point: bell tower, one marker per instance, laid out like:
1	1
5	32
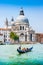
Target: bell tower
6	23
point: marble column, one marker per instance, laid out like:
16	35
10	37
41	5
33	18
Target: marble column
28	37
33	37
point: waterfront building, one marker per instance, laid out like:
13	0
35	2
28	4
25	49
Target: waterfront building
21	27
39	37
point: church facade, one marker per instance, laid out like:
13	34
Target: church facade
21	27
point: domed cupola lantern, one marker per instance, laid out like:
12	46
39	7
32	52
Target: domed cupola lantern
21	11
12	19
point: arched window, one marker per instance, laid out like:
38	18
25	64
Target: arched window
20	27
23	27
21	34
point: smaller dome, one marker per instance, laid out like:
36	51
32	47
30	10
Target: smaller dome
12	19
12	23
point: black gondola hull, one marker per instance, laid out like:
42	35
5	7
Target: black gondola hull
24	51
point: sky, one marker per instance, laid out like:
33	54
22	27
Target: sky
33	10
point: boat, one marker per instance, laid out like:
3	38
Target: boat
24	51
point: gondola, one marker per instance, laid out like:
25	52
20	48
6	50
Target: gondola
24	51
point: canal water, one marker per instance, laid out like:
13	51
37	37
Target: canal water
10	56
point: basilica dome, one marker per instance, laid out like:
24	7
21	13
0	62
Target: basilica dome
21	18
